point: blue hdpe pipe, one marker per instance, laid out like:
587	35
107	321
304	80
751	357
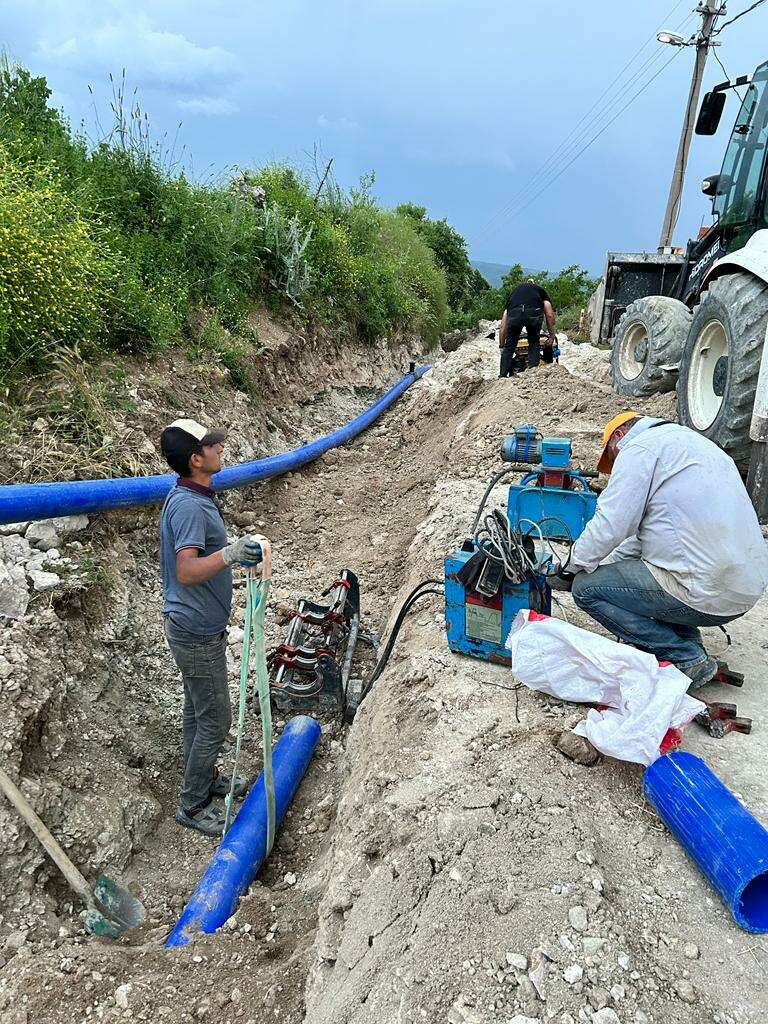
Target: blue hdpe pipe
23	502
727	842
244	847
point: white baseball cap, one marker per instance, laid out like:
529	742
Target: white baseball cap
201	434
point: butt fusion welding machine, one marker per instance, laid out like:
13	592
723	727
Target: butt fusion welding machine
500	568
312	668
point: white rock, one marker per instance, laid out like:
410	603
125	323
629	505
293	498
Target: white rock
691	951
585	857
573	974
592	945
8	528
606	1016
518	961
14	594
623	960
42	580
42	535
578	918
289	878
685	990
122	994
15	549
46	533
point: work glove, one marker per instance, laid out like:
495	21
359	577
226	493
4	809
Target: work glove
246	552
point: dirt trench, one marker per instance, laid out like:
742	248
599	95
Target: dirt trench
439	849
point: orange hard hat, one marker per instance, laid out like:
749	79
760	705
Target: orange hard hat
617	421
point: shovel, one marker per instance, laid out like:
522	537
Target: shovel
110	909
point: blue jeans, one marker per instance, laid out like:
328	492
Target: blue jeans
625	598
202	661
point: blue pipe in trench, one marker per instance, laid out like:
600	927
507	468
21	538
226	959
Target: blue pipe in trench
727	842
244	847
23	502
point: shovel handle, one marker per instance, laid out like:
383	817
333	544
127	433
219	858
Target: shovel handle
76	881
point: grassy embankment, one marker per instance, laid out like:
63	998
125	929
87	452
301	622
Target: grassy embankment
109	249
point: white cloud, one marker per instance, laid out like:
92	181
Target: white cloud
151	56
339	124
209	106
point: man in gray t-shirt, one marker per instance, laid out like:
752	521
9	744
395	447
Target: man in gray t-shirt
197	586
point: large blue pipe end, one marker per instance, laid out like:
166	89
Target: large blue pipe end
244	847
727	842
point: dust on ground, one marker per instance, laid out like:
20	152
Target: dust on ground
442	861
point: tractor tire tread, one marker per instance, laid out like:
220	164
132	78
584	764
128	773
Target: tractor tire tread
745	297
667	321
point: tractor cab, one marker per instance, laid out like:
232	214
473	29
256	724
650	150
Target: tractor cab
739	190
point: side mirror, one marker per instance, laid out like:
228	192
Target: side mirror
709	185
710	113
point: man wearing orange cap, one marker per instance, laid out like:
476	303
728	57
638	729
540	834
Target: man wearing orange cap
674	543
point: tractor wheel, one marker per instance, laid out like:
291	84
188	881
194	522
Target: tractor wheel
648	344
721	362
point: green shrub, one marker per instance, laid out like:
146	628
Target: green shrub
113	244
54	266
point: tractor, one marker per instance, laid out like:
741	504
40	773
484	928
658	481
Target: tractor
695	319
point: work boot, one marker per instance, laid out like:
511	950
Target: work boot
701	672
223	783
209	819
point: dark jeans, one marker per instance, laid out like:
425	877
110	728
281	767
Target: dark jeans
625	597
207	714
518	317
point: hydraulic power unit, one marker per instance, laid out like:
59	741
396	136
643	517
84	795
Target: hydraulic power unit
555	495
479	624
501	569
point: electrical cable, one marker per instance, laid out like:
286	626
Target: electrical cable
494	480
416	594
736	18
725	72
577	132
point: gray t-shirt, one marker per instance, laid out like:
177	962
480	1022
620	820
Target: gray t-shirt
192	520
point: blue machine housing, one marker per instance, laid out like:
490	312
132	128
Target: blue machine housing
479	626
560	513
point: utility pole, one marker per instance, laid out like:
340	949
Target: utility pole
709	11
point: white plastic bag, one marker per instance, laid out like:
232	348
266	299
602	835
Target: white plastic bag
643	698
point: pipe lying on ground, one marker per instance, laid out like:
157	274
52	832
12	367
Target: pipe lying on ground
726	841
244	847
23	502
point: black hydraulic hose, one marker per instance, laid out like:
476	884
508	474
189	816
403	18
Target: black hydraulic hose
494	480
424	588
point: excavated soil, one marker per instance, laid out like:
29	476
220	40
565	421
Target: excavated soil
441	862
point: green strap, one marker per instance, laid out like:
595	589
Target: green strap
255	607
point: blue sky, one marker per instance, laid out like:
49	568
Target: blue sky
455	106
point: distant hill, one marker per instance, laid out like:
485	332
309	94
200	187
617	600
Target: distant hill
493	272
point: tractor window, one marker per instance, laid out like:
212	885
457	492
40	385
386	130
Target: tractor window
744	157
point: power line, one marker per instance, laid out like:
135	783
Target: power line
725	72
739	15
597	135
568	146
574	137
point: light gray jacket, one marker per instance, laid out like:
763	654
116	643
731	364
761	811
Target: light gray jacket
676	500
